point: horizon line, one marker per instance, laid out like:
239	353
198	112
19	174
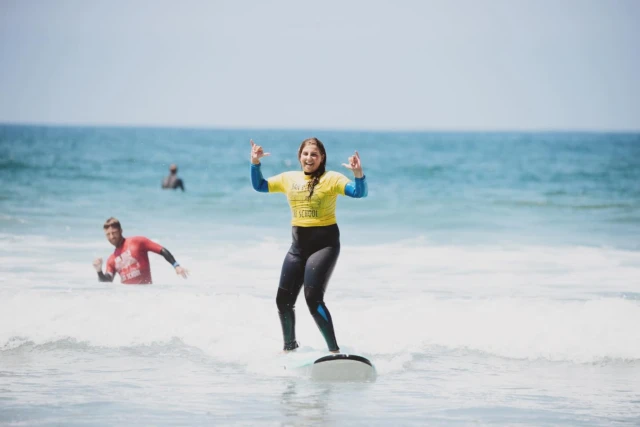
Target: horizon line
319	128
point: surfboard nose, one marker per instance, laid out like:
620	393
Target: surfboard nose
343	367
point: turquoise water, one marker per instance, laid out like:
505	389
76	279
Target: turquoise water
568	187
493	278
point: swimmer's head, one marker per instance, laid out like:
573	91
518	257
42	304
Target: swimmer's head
312	156
173	168
113	231
112	222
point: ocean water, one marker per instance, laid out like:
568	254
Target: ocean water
492	278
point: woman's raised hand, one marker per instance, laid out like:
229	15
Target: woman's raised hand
256	153
355	165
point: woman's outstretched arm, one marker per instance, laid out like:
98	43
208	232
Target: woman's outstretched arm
359	189
257	180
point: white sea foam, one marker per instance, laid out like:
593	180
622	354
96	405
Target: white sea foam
234	328
558	303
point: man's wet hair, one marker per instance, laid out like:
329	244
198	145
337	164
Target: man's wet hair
112	222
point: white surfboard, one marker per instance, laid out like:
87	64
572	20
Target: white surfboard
343	367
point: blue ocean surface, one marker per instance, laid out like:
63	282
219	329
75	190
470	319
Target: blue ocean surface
492	278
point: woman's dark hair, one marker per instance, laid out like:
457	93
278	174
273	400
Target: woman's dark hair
315	176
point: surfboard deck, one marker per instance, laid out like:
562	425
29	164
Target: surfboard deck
343	367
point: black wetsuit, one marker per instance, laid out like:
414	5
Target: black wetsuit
172	182
310	261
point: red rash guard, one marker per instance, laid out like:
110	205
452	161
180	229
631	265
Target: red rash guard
131	261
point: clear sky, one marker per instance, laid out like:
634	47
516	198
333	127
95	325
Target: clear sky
341	64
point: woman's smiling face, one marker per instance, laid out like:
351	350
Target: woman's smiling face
310	158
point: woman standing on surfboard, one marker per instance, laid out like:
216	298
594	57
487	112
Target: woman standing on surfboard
315	248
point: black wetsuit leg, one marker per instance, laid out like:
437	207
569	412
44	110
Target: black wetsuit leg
311	259
291	279
317	273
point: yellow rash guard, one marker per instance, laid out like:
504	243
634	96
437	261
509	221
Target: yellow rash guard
321	209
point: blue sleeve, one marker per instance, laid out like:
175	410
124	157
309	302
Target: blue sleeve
357	190
257	180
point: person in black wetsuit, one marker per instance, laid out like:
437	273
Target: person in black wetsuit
172	181
315	247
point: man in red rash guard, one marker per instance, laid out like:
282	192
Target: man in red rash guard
130	259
